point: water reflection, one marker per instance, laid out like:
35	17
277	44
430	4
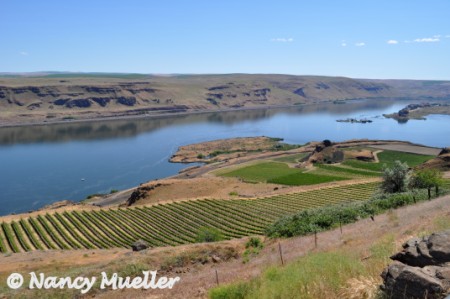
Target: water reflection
99	130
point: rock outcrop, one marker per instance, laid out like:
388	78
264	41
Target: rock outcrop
325	153
441	162
421	269
140	193
139	245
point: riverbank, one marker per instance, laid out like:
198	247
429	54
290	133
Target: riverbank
16	121
11	121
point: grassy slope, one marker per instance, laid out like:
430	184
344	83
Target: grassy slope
291	158
336	273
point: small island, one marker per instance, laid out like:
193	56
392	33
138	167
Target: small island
419	111
354	120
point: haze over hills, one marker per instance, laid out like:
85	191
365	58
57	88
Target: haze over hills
53	96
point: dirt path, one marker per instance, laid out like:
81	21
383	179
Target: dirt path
113	199
409	148
375	156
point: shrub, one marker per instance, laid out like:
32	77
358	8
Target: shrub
327	143
253	247
209	234
395	178
254	242
324	218
426	178
234	291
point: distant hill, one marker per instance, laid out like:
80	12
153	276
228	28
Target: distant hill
49	96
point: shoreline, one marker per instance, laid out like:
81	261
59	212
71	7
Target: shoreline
141	116
103	118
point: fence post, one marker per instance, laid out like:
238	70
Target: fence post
315	238
281	253
217	277
340	223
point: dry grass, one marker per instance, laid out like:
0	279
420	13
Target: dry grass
360	288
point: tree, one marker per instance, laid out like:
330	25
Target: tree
327	143
426	179
395	178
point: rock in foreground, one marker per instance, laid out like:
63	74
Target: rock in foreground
421	269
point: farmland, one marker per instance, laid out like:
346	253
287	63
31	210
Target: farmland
280	173
388	158
165	224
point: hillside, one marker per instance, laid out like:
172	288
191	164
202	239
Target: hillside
54	97
62	97
196	264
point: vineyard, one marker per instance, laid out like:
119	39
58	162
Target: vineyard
165	224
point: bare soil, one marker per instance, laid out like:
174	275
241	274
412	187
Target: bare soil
228	148
211	187
409	148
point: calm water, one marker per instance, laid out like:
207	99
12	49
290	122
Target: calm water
43	164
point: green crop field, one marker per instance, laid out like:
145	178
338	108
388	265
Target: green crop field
388	158
165	224
305	178
279	173
291	158
344	170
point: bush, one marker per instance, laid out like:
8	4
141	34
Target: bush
234	291
395	178
254	242
324	218
253	247
327	143
426	178
209	234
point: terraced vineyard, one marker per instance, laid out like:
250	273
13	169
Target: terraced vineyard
165	224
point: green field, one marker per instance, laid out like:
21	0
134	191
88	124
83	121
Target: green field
291	158
346	171
166	224
280	173
388	158
305	178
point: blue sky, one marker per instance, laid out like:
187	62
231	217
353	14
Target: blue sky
360	39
